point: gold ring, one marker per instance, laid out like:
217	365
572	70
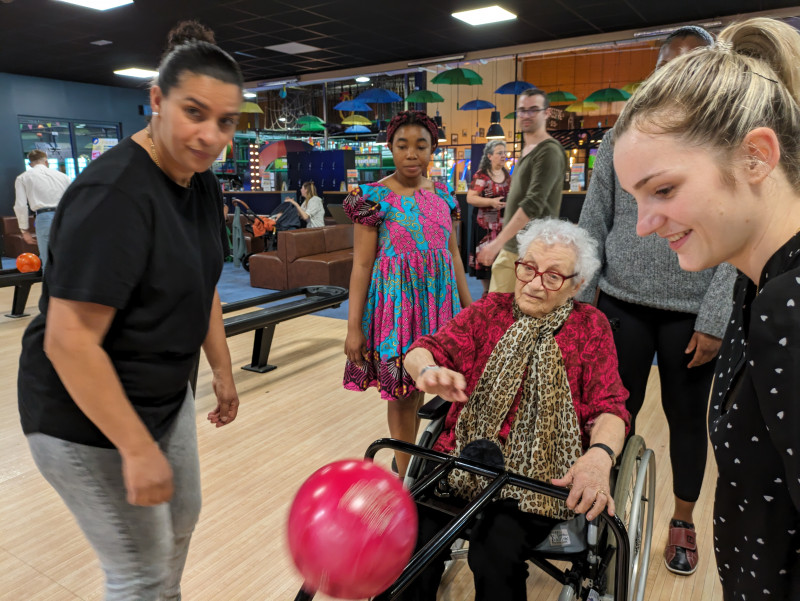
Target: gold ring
600	492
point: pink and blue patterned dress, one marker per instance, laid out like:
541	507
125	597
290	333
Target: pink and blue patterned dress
413	289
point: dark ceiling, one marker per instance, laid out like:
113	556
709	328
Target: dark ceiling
48	38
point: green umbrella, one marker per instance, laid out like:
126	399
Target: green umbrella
309	119
560	96
511	115
424	96
466	77
608	95
312	127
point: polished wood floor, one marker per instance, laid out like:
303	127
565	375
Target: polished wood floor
292	421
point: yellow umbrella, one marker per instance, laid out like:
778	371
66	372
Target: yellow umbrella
356	120
582	107
250	107
632	87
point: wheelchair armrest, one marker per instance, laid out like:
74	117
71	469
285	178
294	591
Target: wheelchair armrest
434	409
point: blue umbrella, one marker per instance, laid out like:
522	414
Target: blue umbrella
476	105
514	87
353	105
357	129
378	96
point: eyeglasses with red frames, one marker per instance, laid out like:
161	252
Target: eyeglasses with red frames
551	280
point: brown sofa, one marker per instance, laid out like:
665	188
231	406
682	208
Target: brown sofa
13	244
306	257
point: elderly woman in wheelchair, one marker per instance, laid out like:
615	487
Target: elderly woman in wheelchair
534	373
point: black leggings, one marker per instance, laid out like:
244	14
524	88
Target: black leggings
500	542
641	333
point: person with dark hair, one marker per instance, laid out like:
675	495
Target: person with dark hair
709	146
407	279
535	190
488	192
663	311
39	189
127	302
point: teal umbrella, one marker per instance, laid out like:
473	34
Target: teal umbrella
424	96
309	119
608	95
560	96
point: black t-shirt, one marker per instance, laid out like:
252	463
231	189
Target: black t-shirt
128	237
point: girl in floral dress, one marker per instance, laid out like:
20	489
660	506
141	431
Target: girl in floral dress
408	279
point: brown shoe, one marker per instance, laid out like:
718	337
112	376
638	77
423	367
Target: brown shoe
680	554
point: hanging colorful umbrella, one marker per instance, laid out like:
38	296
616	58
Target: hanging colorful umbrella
356	120
608	95
309	119
511	115
459	76
378	96
582	107
514	87
424	96
250	107
357	129
353	105
630	88
477	105
561	97
312	127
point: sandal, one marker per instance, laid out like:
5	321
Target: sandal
680	554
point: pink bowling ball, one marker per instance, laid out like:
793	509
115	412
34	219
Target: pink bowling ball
352	529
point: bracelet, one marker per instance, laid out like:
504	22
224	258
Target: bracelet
427	368
607	449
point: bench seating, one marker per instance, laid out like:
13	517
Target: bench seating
306	257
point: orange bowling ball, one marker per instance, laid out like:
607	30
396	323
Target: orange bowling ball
28	263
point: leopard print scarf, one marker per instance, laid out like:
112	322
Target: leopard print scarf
544	440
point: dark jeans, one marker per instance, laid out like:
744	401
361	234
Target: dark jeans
644	332
500	542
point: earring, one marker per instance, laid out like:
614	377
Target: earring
154	113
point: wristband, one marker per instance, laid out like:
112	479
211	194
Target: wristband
427	368
607	449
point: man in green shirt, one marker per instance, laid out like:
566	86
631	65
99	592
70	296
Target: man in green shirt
535	188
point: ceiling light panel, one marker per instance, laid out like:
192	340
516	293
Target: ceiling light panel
135	72
293	48
484	16
98	4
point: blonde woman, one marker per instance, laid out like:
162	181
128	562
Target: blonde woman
710	148
311	211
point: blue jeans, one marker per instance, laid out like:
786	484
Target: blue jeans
42	224
142	550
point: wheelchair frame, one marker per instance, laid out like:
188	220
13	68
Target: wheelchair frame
498	479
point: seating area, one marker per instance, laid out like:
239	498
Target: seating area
306	257
13	244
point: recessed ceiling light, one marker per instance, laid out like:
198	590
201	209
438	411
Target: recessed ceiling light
362	79
101	42
134	72
484	16
282	119
293	48
99	4
249	94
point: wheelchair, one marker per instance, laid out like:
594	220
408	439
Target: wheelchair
608	557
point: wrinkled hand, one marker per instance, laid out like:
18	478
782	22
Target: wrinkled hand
147	476
355	347
28	237
488	254
227	401
447	383
588	480
705	348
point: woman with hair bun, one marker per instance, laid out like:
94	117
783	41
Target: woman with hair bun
710	148
127	302
407	279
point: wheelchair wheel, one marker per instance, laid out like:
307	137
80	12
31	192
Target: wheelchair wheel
634	497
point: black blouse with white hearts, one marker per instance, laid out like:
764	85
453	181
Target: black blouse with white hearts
754	425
